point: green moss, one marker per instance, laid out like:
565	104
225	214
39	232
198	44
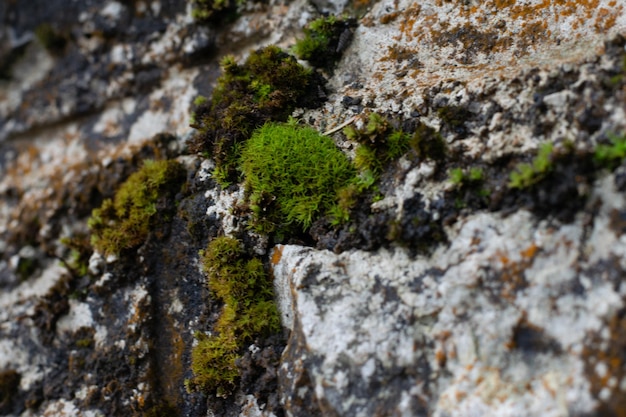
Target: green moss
26	267
379	144
249	312
267	87
526	175
293	175
215	11
163	409
375	132
453	116
464	178
469	187
85	343
324	40
366	159
427	143
125	221
613	154
80	252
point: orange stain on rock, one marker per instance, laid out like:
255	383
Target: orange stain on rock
277	254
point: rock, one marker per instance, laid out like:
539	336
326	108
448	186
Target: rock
483	326
437	295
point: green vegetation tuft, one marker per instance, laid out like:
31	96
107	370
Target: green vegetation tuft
80	252
379	144
366	159
267	87
427	143
324	40
469	187
249	311
461	178
215	11
611	155
453	116
125	221
293	175
526	175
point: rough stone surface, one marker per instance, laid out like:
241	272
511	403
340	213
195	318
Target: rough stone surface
432	300
494	324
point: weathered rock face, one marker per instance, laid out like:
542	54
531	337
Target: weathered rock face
436	297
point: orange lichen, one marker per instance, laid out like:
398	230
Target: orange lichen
460	395
504	4
409	17
441	358
277	254
604	20
513	273
399	53
526	25
530	252
389	17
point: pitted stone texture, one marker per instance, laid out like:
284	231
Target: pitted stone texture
515	316
494	324
525	71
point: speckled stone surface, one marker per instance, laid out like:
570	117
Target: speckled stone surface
430	301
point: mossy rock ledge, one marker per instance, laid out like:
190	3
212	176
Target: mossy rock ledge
313	208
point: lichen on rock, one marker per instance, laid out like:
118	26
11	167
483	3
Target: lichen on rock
466	257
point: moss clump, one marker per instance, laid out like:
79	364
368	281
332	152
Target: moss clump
125	221
379	144
293	175
80	252
462	178
427	143
453	116
249	312
215	11
469	189
267	87
26	267
526	175
324	41
613	154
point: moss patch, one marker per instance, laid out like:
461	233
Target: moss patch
249	311
324	41
125	221
427	143
613	154
469	189
379	144
267	87
293	175
526	175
